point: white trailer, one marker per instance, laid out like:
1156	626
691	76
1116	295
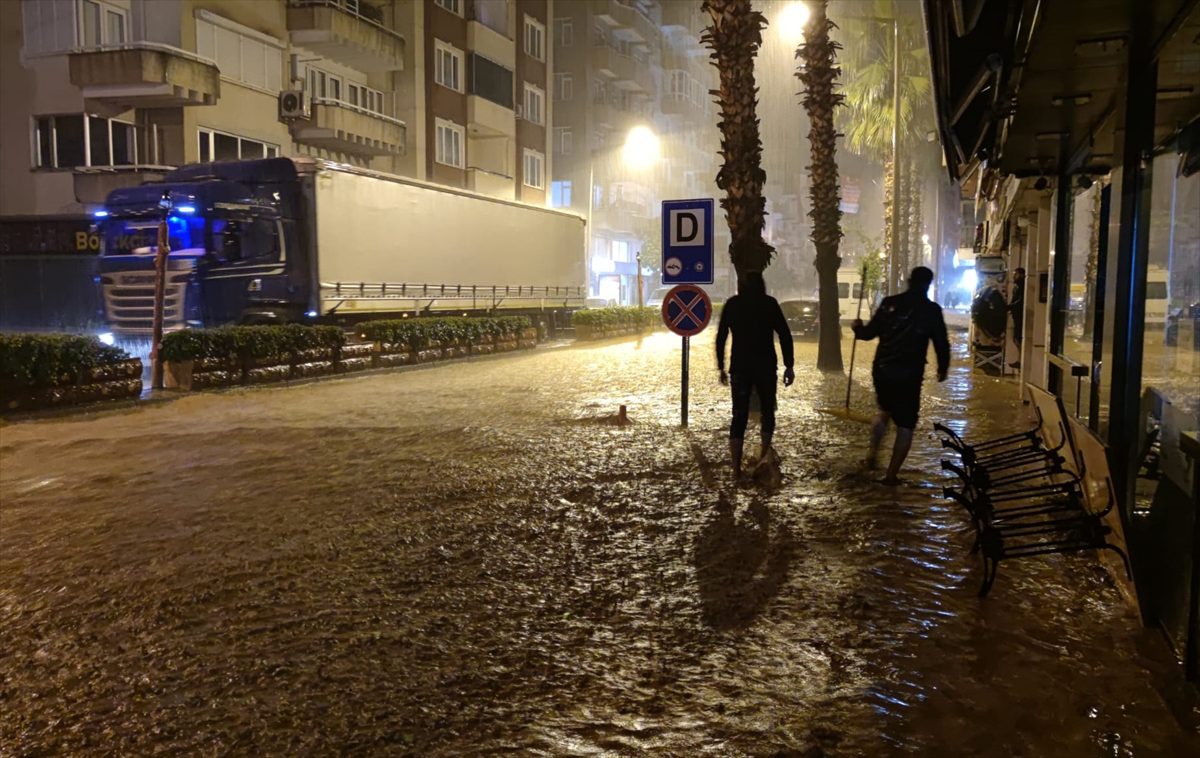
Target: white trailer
386	243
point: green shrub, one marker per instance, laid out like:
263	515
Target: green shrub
416	333
50	360
617	317
243	342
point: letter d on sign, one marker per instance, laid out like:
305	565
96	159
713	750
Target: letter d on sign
686	227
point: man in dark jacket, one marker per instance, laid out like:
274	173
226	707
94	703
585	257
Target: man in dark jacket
905	324
754	318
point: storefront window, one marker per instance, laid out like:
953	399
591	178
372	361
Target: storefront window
1081	299
1171	361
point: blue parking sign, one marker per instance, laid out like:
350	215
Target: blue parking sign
687	241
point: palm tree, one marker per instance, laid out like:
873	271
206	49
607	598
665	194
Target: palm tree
818	73
734	37
869	115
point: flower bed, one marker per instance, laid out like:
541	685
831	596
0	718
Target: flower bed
48	370
602	323
205	358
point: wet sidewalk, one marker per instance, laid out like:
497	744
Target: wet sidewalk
469	559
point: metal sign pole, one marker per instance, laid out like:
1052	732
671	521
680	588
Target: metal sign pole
683	407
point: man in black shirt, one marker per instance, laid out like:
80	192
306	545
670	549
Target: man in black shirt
754	318
904	324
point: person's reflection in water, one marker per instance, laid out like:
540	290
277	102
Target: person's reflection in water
739	567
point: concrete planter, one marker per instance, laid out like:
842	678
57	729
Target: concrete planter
118	381
177	375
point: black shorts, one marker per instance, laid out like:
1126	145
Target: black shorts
898	393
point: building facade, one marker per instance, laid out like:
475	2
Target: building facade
621	65
115	92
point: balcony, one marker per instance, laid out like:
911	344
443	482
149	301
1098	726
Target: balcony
144	75
491	183
626	71
486	118
341	32
335	125
678	104
631	16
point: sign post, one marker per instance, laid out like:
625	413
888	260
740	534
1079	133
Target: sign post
687	260
686	311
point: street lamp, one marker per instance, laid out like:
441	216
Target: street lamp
640	151
791	22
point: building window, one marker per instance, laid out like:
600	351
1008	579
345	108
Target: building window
242	54
535	39
78	141
449	143
560	194
491	81
447	65
565	33
454	6
564	87
564	139
221	146
534	164
102	23
535	104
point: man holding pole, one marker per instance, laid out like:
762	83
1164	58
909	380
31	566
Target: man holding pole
905	324
755	318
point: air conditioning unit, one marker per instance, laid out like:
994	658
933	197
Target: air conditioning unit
293	104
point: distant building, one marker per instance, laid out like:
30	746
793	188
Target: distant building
621	64
115	92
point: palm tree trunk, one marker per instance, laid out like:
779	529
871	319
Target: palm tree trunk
1090	267
734	37
889	198
818	73
916	222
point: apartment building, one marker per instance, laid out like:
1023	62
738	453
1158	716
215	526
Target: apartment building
619	65
115	92
487	110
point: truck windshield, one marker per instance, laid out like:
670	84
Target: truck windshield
139	236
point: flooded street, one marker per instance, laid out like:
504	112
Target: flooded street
470	559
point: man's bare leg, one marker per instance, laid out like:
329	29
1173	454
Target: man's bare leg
878	429
899	453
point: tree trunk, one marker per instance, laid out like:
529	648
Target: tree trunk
916	222
889	252
818	73
734	37
1093	259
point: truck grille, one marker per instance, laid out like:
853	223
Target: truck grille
129	301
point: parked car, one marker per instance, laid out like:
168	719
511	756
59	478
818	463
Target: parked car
803	317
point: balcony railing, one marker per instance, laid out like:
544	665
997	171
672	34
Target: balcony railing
340	126
344	31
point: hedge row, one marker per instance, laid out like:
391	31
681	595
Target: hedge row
249	341
617	318
52	360
417	333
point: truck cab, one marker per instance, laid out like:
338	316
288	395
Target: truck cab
233	251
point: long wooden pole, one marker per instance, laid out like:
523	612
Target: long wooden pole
160	291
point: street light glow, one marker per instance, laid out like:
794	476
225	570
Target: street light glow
791	22
641	148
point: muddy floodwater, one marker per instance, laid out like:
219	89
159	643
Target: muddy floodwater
469	559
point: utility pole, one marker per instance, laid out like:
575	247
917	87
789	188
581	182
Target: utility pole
893	268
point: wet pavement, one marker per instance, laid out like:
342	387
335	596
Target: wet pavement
470	559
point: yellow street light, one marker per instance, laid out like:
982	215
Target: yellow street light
791	22
641	148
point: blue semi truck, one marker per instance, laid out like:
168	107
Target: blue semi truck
303	240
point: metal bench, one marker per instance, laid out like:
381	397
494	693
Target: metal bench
1053	494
